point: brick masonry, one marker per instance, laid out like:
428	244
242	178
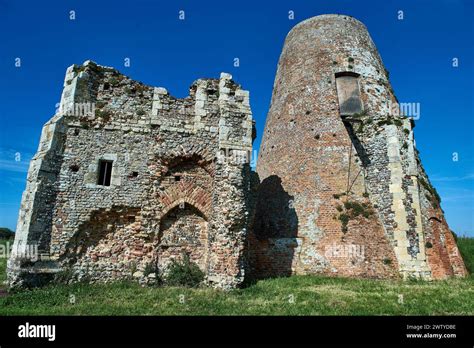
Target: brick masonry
312	161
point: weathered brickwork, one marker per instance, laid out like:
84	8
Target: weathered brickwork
326	146
144	178
178	184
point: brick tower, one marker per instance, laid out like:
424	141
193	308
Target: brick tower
342	190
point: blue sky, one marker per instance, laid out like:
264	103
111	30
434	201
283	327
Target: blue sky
165	51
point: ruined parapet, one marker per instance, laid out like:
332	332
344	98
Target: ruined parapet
338	169
128	178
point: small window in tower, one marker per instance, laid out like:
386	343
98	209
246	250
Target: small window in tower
105	172
177	178
348	93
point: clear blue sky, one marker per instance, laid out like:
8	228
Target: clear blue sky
165	51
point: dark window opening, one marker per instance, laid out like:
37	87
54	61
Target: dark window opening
106	86
134	174
105	172
177	178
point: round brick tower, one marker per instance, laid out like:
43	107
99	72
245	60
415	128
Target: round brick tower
338	187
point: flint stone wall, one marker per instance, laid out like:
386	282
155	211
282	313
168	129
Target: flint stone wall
179	182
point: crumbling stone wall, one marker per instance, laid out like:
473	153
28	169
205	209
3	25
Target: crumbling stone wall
179	181
338	169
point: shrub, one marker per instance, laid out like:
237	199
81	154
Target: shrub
152	268
356	207
344	218
105	115
351	210
387	261
100	104
78	68
466	248
184	273
113	81
6	233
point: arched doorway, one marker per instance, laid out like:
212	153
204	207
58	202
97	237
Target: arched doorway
183	229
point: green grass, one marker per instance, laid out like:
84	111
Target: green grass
298	295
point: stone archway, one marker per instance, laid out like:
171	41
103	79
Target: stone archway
183	229
182	210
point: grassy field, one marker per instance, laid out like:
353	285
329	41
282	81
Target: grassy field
298	295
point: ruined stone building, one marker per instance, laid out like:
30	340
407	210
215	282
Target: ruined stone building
144	177
141	180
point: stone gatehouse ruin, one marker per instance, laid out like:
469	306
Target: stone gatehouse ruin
127	176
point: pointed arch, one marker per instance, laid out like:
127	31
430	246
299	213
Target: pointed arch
183	201
186	192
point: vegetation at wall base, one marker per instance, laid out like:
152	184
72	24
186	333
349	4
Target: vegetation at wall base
184	273
297	295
